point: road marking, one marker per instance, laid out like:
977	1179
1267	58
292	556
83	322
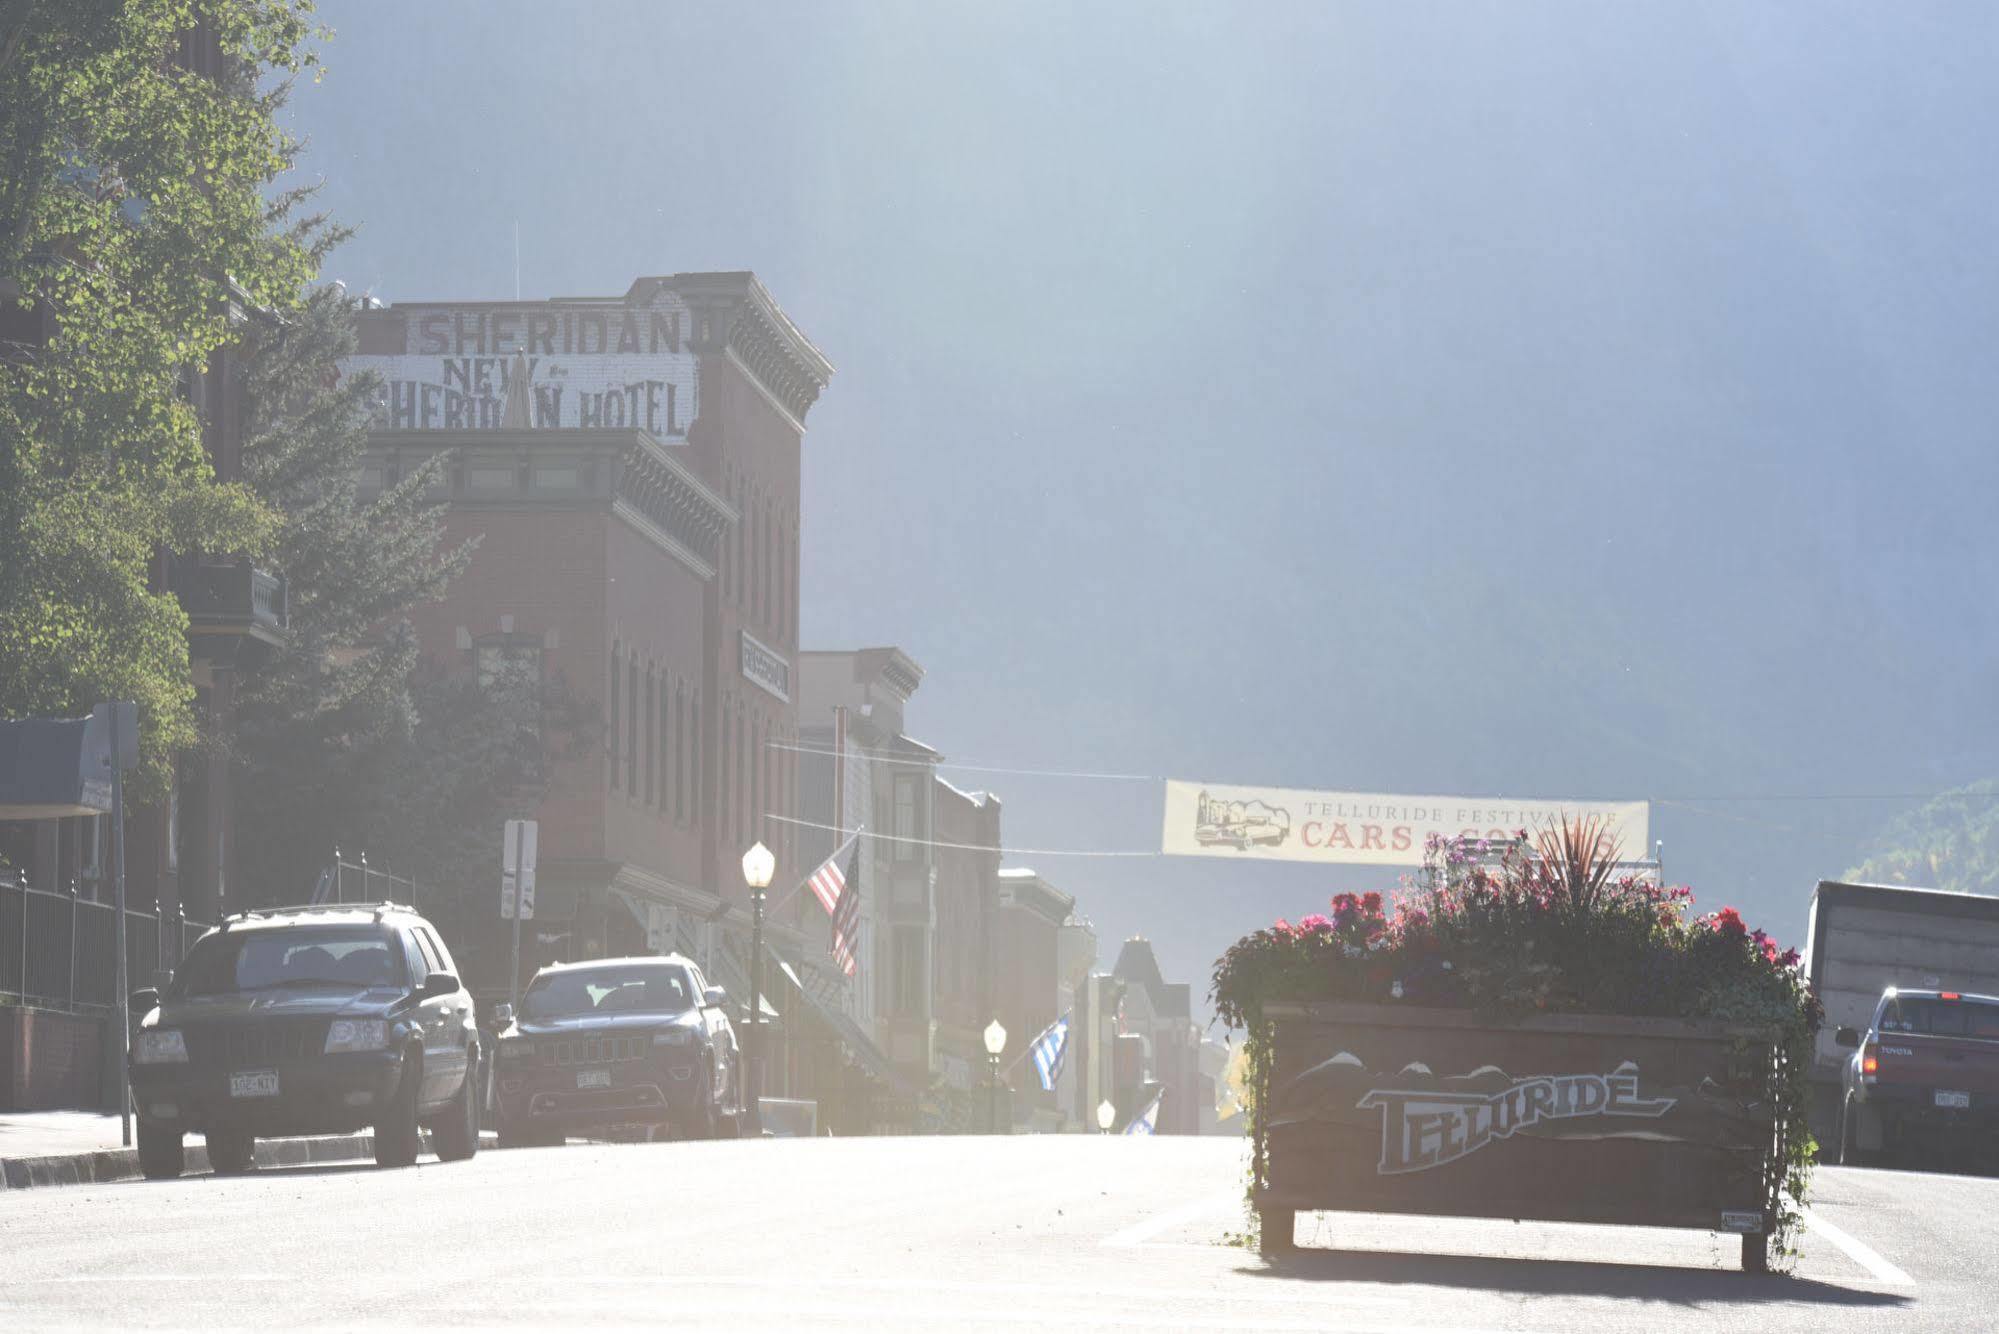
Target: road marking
1862	1254
1140	1233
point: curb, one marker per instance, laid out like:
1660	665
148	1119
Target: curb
99	1166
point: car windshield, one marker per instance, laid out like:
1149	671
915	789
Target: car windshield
639	989
1941	1018
335	956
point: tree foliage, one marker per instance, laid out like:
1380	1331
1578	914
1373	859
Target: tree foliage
1949	842
346	737
134	227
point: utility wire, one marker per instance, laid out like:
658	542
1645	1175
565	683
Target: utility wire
878	757
968	847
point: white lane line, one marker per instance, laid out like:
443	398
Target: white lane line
1860	1252
1140	1233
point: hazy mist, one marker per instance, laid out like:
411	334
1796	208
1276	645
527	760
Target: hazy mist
1582	401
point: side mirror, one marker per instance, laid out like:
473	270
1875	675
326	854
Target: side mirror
1846	1037
143	1000
503	1014
714	998
440	984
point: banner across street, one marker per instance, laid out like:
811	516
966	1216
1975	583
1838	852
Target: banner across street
1367	828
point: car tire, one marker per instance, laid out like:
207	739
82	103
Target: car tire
1850	1152
161	1154
231	1153
456	1132
700	1120
397	1137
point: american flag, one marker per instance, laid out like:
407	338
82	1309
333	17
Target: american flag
840	896
1049	1049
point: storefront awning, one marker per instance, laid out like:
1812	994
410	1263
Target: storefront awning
822	998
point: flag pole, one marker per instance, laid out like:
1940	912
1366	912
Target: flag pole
835	856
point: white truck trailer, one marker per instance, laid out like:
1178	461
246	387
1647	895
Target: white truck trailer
1863	939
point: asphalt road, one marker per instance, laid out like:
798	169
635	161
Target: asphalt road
930	1234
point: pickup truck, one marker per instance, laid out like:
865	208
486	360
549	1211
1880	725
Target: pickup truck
1924	1076
1862	940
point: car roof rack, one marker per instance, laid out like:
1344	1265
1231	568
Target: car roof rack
381	910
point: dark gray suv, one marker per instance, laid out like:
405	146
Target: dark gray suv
307	1021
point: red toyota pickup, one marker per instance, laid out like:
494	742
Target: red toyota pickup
1925	1075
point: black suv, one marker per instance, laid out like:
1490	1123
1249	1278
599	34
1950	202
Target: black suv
307	1021
638	1041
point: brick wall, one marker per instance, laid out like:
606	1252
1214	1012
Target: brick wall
49	1061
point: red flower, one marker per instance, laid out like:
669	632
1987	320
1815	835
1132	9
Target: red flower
1729	922
1371	903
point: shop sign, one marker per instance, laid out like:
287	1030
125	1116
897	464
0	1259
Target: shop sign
766	667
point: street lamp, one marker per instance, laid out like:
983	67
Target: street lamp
758	867
995	1044
1105	1115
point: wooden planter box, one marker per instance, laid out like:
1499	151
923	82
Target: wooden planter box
1565	1118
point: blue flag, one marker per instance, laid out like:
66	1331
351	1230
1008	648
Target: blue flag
1049	1049
1145	1122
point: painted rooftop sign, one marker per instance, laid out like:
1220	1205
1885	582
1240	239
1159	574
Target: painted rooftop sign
622	364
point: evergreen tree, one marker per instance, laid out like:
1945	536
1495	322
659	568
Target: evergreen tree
345	738
1951	841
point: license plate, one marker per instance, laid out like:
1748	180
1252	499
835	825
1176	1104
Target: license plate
593	1079
254	1084
1952	1098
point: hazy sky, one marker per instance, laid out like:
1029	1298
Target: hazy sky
1566	400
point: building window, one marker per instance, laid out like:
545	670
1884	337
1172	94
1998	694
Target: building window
693	733
757	788
906	972
668	739
724	794
679	753
611	736
632	727
652	740
906	835
768	605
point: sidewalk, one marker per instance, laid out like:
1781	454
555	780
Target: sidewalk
73	1148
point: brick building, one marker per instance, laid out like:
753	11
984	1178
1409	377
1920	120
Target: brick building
637	506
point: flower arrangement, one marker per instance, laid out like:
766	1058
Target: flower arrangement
1547	925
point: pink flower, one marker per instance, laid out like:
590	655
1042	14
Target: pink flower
1317	922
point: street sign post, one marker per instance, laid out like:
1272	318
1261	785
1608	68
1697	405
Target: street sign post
517	863
123	717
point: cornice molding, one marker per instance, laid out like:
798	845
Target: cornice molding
658	495
735	316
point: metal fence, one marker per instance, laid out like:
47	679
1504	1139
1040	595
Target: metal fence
59	951
358	882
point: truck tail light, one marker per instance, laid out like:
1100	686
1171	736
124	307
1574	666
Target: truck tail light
1949	995
1870	1063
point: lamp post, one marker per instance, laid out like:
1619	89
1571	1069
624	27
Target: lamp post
758	866
995	1044
1105	1115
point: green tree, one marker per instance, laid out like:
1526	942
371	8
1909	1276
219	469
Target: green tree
1949	842
344	736
134	230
